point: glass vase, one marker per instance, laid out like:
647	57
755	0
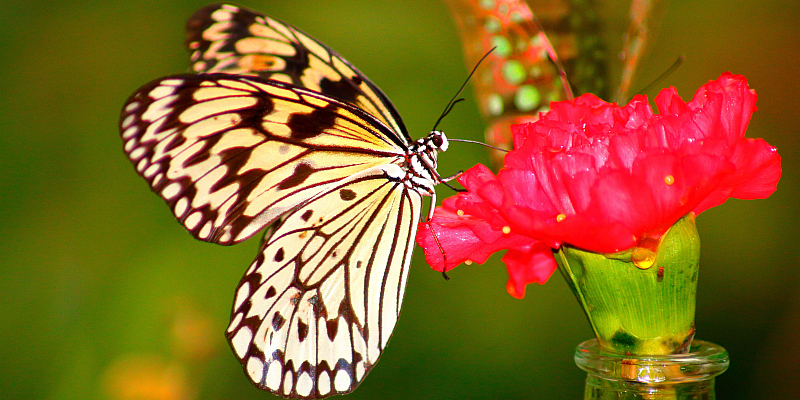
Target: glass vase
663	377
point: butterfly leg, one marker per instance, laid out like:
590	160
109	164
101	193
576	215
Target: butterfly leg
432	207
430	226
450	178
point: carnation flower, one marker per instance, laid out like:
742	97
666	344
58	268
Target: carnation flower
604	178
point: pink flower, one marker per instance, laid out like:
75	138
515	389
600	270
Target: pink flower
602	178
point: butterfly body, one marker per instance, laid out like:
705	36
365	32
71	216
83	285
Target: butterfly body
275	130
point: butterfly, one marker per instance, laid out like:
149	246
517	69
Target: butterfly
275	131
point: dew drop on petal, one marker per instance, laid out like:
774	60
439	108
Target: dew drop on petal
643	258
506	230
467	262
669	180
561	217
460	213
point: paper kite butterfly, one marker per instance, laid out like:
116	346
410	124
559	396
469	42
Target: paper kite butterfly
275	130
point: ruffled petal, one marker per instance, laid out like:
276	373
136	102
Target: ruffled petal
535	265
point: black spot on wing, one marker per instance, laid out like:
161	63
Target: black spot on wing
295	299
302	330
301	172
279	255
317	306
346	311
347	194
357	358
333	327
307	215
278	321
254	351
342	89
306	126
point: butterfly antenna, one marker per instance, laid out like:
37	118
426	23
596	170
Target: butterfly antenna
455	100
480	143
666	73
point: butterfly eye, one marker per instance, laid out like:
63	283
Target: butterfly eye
437	140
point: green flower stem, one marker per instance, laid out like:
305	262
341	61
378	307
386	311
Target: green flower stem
640	301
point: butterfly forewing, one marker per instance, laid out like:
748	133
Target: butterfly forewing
316	308
235	40
230	154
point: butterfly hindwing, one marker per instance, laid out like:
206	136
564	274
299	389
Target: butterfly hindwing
235	40
230	154
316	308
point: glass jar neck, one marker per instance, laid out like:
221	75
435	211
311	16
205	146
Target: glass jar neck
663	377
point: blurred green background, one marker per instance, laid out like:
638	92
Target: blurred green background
104	296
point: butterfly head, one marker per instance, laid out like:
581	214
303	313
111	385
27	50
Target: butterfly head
435	142
422	159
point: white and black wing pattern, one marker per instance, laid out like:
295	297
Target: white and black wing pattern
340	191
316	308
277	130
235	40
230	154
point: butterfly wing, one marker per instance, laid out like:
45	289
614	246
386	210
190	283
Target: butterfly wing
316	308
277	130
231	154
235	40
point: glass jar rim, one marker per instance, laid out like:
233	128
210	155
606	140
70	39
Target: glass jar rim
704	361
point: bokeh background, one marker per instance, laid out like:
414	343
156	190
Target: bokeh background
104	296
